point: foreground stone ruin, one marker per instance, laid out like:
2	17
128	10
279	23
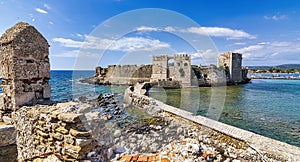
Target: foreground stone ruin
25	68
33	129
25	71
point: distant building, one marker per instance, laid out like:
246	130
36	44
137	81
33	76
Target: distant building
172	68
176	71
232	62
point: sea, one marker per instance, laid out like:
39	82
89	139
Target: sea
265	106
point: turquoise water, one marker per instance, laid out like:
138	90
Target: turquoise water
65	86
267	107
270	75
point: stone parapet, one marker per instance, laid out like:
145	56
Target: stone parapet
266	148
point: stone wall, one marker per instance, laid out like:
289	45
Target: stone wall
172	68
266	148
123	74
159	68
234	63
24	67
48	130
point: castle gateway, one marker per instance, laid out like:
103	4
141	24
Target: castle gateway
172	68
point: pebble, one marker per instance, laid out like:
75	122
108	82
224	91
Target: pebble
117	133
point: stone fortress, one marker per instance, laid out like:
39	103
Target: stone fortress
176	71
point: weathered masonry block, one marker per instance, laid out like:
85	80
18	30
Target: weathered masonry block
24	67
45	130
8	147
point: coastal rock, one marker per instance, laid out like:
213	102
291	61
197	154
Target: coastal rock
70	117
8	134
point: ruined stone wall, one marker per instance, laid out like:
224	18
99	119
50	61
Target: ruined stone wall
47	130
159	68
24	67
182	69
179	70
124	74
236	67
234	63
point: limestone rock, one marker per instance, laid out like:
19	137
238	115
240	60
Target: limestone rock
8	135
70	117
76	133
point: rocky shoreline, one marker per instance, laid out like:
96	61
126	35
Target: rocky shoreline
162	136
131	134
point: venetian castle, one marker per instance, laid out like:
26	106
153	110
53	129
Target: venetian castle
176	71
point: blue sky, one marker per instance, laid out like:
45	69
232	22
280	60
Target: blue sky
83	34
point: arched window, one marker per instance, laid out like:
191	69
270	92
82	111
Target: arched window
171	62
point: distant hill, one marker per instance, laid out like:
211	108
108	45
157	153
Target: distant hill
289	66
283	66
259	67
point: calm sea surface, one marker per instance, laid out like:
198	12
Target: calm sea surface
267	107
65	86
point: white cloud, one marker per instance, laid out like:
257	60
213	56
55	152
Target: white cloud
207	55
79	35
276	17
239	43
263	43
41	10
47	6
31	17
74	54
249	49
220	32
68	42
210	31
272	51
138	43
169	29
50	22
126	44
146	28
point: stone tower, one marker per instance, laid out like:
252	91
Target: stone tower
24	67
182	69
159	68
177	70
234	62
